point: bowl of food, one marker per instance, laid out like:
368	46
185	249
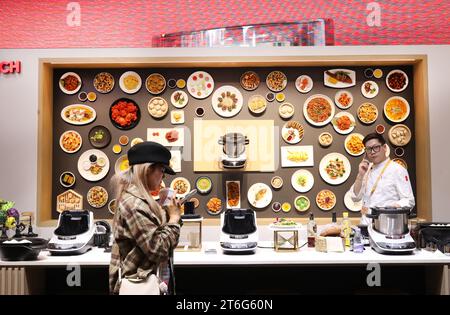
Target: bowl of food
257	104
397	80
325	139
155	83
276	182
203	184
286	110
302	203
214	206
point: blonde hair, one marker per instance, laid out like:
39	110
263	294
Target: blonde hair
136	175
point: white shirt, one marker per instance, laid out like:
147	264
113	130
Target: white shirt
393	188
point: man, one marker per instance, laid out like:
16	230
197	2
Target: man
382	184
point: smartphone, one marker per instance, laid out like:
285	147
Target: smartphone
188	196
170	196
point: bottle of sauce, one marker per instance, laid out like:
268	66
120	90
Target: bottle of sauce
311	231
346	229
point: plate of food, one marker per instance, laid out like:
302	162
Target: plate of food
124	114
292	132
276	81
70	141
350	204
326	199
155	83
227	101
343	99
122	164
181	185
318	110
97	196
304	83
401	162
250	80
283	223
136	141
130	82
369	89
396	109
155	193
302	203
367	113
233	191
397	80
325	139
286	110
112	206
99	137
353	144
203	184
168	137
214	206
257	104
78	114
103	82
177	117
276	182
200	84
70	83
399	135
175	161
343	123
69	200
179	99
334	168
339	78
259	195
67	179
157	107
297	156
302	180
93	165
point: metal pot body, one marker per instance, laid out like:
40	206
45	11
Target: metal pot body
233	144
391	224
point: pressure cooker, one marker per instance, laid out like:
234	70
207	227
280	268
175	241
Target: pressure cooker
390	220
233	144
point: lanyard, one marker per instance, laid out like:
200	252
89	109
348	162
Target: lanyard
378	179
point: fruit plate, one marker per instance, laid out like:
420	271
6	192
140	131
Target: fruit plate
259	195
297	156
302	181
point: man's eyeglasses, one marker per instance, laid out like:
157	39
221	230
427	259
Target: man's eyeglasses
374	149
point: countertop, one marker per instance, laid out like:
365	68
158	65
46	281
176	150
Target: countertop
263	256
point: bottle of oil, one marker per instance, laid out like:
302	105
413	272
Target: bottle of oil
346	229
311	230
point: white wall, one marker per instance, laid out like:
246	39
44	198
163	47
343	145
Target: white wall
19	105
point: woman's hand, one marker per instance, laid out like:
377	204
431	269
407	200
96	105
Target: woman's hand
174	211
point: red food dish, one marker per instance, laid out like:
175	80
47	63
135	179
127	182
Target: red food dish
172	136
124	113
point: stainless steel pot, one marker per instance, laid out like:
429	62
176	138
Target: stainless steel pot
391	221
233	144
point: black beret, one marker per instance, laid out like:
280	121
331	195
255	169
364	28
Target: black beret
150	152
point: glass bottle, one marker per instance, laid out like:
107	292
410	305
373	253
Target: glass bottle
311	231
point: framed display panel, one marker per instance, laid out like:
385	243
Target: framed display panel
52	160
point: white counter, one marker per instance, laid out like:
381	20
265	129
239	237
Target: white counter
263	256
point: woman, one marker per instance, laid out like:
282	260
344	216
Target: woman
145	233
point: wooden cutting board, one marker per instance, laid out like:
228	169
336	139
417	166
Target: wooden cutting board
260	150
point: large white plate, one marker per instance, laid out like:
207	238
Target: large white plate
347	139
308	176
159	135
120	165
402	100
338	95
66	75
350	129
292	132
200	84
227	89
175	161
339	84
188	186
238	206
350	204
122	83
87	174
324	162
397	90
78	114
264	201
305	110
303	152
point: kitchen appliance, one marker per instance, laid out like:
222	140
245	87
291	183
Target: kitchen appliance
389	232
233	155
239	234
27	248
74	234
433	234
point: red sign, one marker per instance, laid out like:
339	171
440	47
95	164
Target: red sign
10	67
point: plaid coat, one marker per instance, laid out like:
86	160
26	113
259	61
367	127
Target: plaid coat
141	241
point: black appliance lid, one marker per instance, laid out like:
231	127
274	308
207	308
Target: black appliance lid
73	223
239	222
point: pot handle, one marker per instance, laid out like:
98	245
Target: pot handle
247	141
412	214
221	141
372	216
